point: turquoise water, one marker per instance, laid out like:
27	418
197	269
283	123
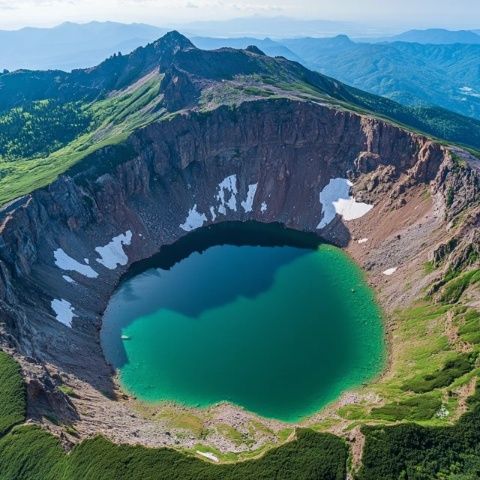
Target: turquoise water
278	330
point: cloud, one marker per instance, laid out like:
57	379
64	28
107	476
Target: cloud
33	4
409	13
257	7
30	3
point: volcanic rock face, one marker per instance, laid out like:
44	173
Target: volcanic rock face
67	245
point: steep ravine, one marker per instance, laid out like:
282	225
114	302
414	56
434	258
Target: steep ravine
265	160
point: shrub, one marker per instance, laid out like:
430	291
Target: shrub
452	370
420	407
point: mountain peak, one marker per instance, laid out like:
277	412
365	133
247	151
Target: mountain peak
254	49
173	42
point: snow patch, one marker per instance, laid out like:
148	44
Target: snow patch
68	279
113	254
213	214
263	207
335	198
390	271
63	311
470	92
228	185
363	240
65	262
248	203
194	220
208	455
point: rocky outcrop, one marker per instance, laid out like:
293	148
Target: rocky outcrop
458	182
167	179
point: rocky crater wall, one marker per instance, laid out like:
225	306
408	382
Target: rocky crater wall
64	248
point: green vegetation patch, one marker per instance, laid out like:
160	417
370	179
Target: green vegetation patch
67	390
184	420
12	393
455	287
30	453
429	267
420	407
231	433
469	329
112	121
443	377
41	127
353	412
411	451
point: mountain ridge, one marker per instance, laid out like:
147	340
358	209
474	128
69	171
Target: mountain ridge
413	74
436	36
103	105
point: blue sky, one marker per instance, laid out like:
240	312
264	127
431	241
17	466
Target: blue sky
387	13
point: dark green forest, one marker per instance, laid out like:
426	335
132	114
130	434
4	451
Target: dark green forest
413	452
39	128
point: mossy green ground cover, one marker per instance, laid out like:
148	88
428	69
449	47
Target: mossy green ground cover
454	289
445	376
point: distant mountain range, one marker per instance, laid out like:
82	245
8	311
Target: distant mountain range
71	45
409	73
418	67
436	36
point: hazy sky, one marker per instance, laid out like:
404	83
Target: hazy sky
389	13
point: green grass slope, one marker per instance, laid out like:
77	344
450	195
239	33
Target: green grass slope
12	393
95	125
